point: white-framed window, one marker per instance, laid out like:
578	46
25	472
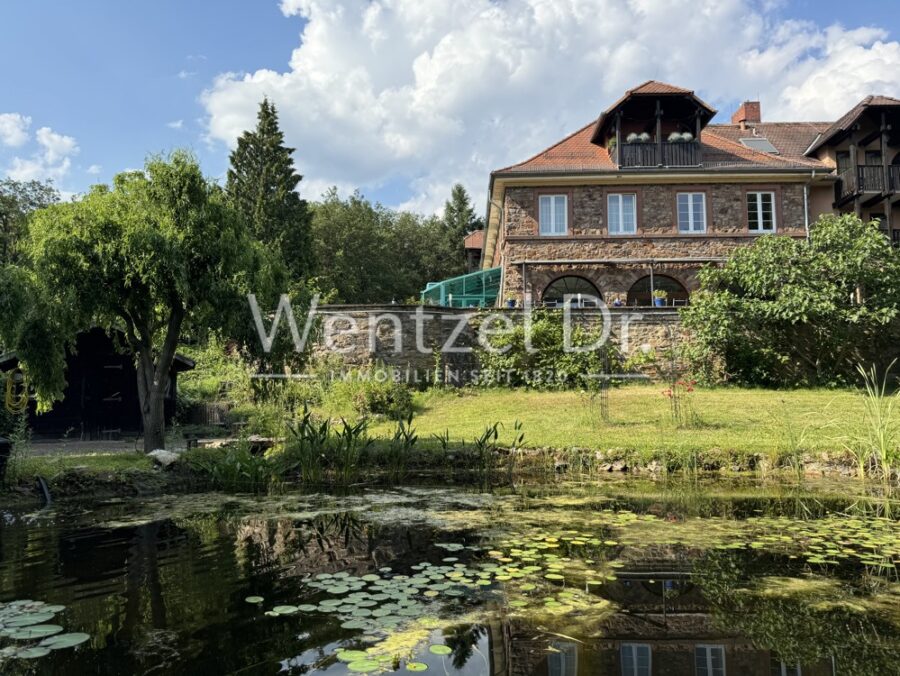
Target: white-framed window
780	668
621	209
761	211
553	214
635	659
709	660
563	661
691	211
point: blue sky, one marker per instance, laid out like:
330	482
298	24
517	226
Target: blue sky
114	75
395	97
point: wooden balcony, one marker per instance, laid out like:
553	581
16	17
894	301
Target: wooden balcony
647	155
865	180
894	178
871	178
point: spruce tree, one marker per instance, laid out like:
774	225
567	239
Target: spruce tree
459	220
262	186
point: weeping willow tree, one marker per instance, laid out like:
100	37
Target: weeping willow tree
157	251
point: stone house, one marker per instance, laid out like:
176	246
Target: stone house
641	199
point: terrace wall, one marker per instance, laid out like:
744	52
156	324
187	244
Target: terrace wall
407	337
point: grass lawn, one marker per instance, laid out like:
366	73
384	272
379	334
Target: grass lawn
737	420
51	465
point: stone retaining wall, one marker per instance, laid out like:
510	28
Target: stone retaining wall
408	338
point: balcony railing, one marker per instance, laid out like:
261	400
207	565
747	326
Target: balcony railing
895	178
866	178
639	155
846	185
871	178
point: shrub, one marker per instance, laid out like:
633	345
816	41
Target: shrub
547	364
233	469
787	312
372	391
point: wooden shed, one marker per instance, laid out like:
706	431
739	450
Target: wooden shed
101	397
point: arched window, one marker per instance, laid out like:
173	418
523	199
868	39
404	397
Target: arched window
641	292
581	291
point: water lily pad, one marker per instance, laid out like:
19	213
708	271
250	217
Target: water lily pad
254	599
416	666
363	666
285	610
36	631
64	641
438	649
352	655
30	619
32	653
354	624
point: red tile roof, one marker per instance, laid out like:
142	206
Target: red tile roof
650	88
475	240
849	118
721	143
721	151
656	87
791	139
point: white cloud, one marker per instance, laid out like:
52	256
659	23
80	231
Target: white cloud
186	74
177	124
56	146
52	160
94	169
14	129
444	91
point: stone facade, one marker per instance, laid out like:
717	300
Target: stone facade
406	338
528	258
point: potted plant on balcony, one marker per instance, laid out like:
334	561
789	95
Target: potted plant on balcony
659	297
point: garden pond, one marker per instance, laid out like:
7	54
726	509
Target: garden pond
627	577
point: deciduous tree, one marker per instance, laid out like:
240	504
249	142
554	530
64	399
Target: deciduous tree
787	312
18	199
160	248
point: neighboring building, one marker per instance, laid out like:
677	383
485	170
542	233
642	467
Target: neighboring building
639	200
100	400
474	244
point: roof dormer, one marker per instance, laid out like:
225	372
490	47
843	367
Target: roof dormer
654	125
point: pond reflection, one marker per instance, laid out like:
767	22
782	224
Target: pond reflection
631	578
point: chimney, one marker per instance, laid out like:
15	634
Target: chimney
750	112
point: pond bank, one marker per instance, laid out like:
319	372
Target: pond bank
135	475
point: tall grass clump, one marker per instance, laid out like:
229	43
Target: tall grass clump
485	449
304	449
398	452
876	444
234	469
317	452
793	437
514	450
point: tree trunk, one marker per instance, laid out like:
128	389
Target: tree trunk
155	424
153	378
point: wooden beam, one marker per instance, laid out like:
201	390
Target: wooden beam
884	160
619	138
854	164
659	142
